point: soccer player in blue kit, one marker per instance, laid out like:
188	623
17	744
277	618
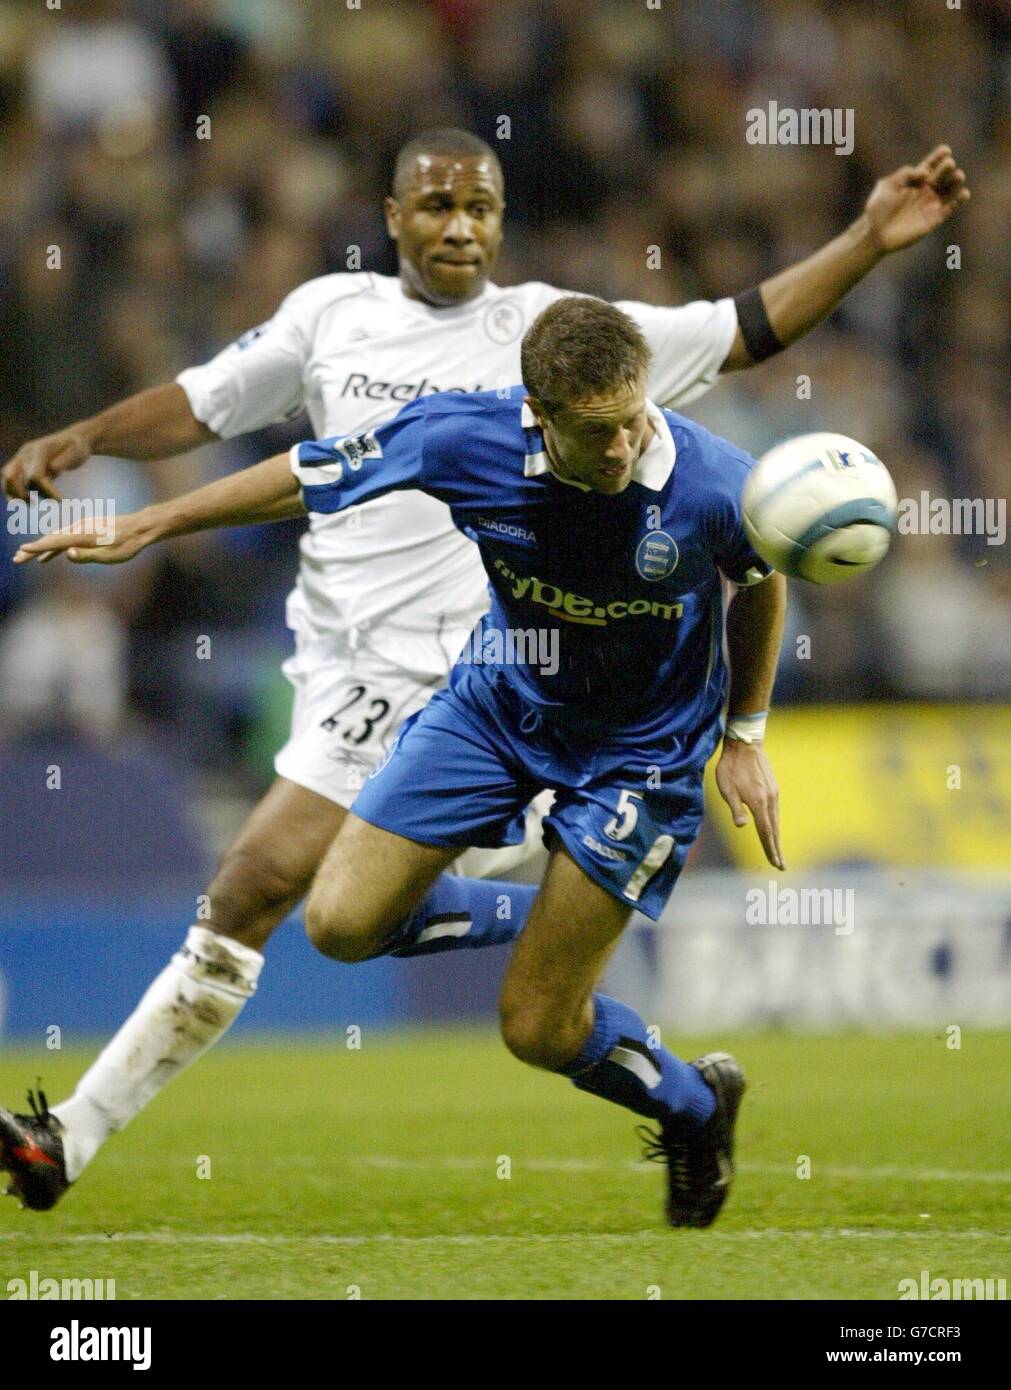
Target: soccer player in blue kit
611	526
610	521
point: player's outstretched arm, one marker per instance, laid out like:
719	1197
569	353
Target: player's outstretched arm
754	633
266	492
903	207
153	424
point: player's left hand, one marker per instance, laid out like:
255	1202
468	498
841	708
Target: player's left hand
745	779
85	544
905	206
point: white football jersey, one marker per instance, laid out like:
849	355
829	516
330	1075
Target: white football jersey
351	349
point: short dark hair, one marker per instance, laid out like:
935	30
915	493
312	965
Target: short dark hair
579	348
442	141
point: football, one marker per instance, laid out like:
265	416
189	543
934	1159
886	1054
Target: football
820	507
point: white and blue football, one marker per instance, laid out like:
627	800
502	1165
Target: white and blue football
820	507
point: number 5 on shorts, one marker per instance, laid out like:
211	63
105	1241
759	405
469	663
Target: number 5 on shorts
620	827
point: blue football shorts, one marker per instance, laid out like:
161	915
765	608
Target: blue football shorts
462	770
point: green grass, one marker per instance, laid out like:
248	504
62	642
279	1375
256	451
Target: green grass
379	1169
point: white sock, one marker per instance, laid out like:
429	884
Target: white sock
192	1003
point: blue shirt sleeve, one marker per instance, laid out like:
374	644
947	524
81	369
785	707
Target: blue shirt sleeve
732	550
344	471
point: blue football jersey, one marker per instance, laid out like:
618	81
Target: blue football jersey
625	587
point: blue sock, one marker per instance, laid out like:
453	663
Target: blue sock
462	912
619	1064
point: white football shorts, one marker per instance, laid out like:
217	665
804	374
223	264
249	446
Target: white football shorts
347	709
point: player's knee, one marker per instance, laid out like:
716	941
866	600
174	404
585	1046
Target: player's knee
538	1038
338	933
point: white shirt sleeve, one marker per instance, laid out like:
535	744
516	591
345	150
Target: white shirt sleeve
690	343
259	379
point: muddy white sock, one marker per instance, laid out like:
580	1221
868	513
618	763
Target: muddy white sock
191	1004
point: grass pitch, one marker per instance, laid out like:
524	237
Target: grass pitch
432	1165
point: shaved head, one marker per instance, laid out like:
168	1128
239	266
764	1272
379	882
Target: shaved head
440	144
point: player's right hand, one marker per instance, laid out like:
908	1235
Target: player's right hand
86	543
746	783
38	463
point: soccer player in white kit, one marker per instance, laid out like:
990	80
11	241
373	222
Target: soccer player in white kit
387	594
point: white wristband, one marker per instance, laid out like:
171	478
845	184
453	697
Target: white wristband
746	728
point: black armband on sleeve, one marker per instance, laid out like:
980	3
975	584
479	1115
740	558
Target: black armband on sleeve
759	336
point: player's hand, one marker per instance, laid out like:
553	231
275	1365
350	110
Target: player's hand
910	203
745	780
38	463
85	543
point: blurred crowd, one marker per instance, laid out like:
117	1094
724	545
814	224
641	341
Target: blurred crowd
626	132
